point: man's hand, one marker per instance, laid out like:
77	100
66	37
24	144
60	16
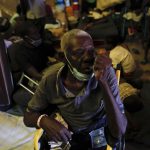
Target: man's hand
55	130
101	64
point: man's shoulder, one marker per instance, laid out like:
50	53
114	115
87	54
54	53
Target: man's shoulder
53	70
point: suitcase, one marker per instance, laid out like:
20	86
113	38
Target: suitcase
6	81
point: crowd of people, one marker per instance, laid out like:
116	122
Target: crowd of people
83	89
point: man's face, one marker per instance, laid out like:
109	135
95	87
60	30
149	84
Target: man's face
82	54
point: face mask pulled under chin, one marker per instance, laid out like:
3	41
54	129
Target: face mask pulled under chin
78	75
35	43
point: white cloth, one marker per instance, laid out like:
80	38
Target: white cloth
12	19
37	7
133	16
121	55
14	135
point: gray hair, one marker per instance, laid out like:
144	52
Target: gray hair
69	36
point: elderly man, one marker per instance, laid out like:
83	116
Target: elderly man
85	92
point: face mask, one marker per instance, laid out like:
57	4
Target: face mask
35	43
78	75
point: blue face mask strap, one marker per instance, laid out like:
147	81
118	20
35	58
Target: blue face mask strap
34	42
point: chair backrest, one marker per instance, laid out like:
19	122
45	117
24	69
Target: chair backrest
27	83
6	81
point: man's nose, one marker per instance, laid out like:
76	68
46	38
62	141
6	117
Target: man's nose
88	55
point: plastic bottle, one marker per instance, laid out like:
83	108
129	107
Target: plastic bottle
60	5
75	6
69	9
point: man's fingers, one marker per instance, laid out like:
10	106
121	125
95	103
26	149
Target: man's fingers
68	134
64	136
98	74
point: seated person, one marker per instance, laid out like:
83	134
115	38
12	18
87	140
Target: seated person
29	56
85	92
11	34
36	13
130	97
120	54
133	102
15	15
5	29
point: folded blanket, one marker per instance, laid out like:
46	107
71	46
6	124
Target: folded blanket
14	135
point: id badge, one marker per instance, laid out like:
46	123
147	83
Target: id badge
98	138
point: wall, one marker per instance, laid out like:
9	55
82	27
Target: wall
8	6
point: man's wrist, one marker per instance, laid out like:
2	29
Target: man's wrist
39	120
